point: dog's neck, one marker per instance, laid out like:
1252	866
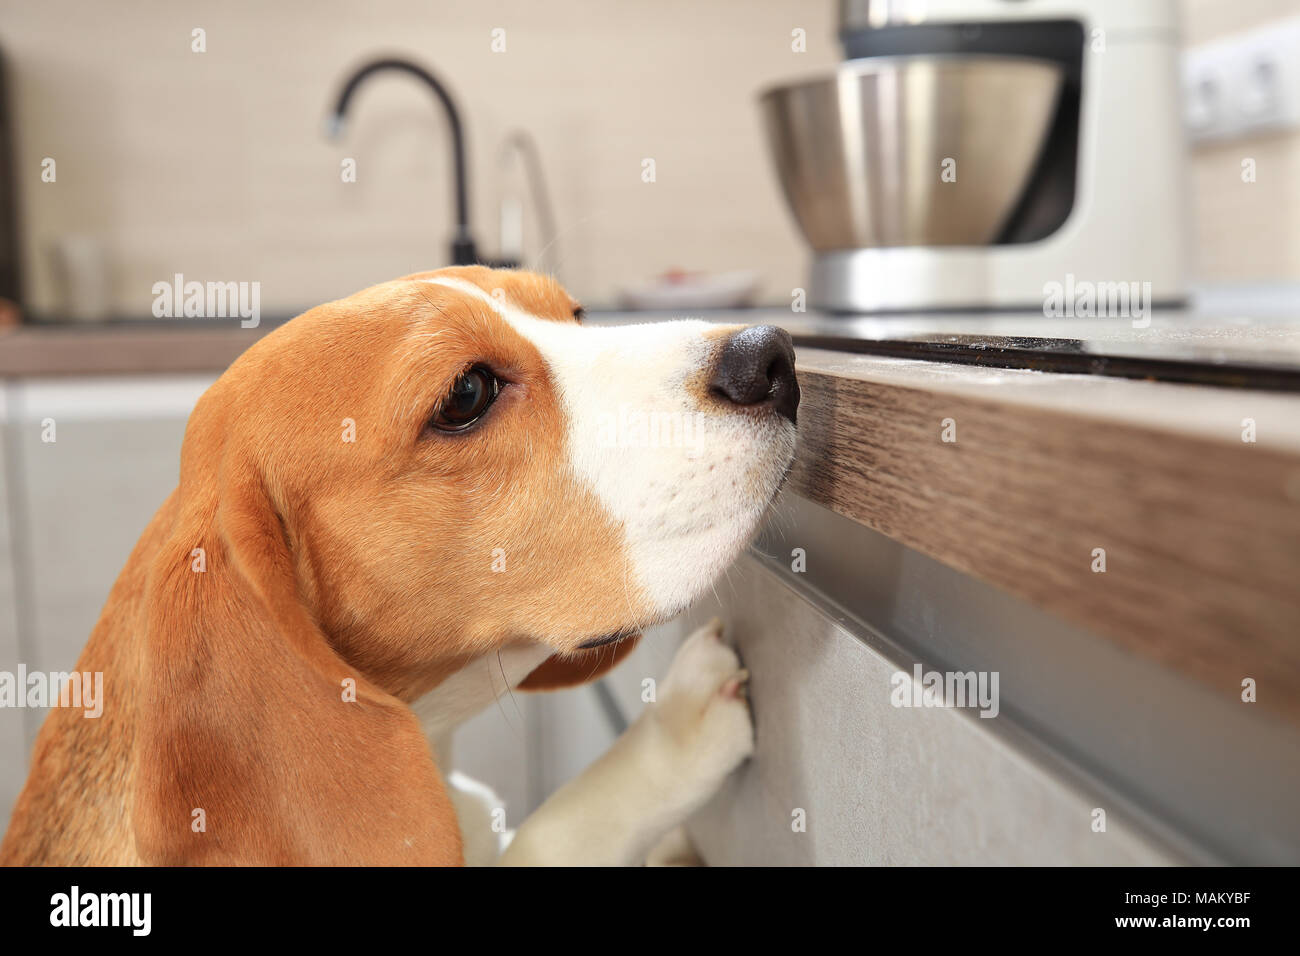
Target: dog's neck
472	688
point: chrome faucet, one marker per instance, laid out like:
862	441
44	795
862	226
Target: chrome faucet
520	145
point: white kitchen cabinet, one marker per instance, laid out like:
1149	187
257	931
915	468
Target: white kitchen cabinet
840	776
77	506
90	493
13	735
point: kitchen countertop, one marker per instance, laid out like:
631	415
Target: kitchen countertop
980	556
1177	345
1201	530
125	348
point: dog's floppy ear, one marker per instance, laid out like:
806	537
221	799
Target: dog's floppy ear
257	743
568	671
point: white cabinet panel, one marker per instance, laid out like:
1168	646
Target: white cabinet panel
13	734
79	504
877	784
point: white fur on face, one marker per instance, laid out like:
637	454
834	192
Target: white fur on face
690	487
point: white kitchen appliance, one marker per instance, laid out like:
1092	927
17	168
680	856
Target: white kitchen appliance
1105	201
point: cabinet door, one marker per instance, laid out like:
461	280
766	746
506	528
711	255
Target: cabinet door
80	501
841	776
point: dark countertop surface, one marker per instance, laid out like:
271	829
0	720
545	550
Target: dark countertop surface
1175	346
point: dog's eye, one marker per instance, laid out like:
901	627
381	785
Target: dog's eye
469	398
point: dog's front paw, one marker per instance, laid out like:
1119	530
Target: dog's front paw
702	714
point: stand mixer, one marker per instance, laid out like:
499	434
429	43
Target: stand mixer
968	153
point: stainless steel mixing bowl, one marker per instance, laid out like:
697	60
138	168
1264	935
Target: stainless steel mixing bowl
862	154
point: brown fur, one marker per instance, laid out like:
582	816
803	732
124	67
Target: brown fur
328	562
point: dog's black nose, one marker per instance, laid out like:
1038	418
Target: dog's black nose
756	367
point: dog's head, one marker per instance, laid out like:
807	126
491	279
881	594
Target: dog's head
458	462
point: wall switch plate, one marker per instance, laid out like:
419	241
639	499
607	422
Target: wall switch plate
1244	84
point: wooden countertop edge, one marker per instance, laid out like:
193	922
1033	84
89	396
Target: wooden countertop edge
1200	530
61	351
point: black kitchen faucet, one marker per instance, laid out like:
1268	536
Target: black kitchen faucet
463	249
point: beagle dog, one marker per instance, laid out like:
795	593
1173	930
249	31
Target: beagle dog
392	510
